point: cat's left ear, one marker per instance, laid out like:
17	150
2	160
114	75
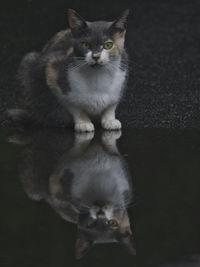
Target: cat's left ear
120	23
76	22
83	245
128	242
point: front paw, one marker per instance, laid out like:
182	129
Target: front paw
111	124
84	127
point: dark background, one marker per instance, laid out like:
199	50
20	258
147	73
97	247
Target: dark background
163	40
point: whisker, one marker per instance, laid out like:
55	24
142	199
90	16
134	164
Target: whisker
75	65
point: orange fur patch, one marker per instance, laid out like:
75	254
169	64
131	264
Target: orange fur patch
118	44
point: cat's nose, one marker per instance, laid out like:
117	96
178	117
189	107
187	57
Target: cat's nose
100	213
96	56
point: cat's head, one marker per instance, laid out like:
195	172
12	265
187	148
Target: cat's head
103	225
99	42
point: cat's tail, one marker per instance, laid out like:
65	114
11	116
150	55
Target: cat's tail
27	69
19	116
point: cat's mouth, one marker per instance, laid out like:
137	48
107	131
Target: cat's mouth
96	65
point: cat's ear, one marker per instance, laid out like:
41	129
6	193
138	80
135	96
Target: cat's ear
128	242
120	23
83	245
76	22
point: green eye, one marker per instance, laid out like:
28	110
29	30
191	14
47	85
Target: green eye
108	45
113	223
91	224
85	45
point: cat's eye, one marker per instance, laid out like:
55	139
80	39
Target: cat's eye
108	45
91	224
113	223
85	45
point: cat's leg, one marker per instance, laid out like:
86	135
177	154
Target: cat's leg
108	120
82	141
109	141
82	122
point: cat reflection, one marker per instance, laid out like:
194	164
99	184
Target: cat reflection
85	180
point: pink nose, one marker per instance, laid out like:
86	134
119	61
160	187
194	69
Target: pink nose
100	213
96	57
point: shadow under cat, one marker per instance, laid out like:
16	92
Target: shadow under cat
84	179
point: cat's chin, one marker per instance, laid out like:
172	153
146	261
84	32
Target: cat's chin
96	65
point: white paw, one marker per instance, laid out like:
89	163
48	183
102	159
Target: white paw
107	136
84	136
111	124
84	127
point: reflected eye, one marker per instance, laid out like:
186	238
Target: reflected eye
85	45
91	224
113	223
108	45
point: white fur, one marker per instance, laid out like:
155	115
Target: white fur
104	58
108	211
84	127
98	176
88	58
95	88
87	136
111	124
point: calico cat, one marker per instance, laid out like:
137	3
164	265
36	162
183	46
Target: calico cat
85	182
79	76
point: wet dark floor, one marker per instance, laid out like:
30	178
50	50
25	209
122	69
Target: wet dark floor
150	180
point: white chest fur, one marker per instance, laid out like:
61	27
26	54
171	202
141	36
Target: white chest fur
95	88
104	177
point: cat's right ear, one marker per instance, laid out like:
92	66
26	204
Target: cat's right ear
76	22
83	245
128	242
119	25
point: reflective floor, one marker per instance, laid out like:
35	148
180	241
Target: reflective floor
113	199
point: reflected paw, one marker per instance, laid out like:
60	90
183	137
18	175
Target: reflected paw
84	136
111	124
84	127
107	136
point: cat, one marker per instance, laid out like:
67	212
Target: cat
79	76
86	182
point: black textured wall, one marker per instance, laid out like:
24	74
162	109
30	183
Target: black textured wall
163	41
